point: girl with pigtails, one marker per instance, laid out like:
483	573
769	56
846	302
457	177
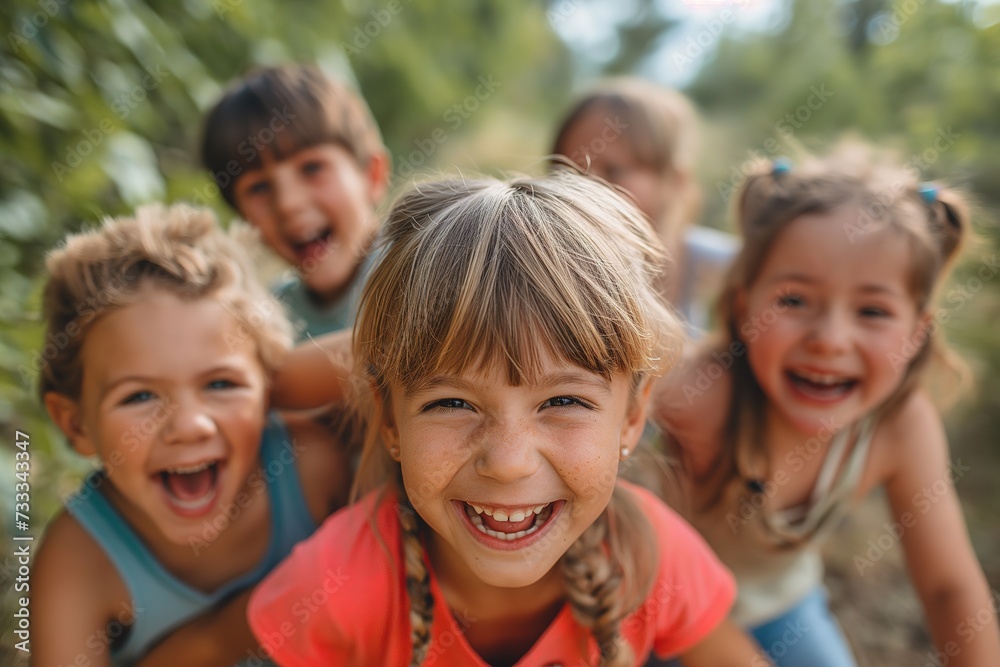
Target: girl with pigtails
814	395
508	336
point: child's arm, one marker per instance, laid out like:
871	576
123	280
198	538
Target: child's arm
942	563
220	637
73	599
726	646
315	373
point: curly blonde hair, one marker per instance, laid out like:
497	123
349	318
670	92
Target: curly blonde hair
180	249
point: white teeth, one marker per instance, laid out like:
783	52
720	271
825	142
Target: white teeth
187	470
822	378
504	515
477	521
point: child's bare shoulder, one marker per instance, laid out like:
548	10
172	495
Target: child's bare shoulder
71	571
910	434
323	461
695	394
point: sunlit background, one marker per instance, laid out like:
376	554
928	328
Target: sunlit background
100	106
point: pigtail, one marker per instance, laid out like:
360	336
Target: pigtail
950	220
418	584
608	572
593	586
937	368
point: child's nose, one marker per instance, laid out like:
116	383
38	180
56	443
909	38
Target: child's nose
509	452
291	196
187	421
831	332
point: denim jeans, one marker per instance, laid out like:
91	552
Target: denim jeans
807	635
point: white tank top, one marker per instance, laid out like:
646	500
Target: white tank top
775	554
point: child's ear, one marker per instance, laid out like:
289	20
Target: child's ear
635	418
65	412
377	175
387	429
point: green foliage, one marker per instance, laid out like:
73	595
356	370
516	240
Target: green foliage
100	109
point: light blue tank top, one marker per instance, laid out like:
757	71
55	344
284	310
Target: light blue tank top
163	602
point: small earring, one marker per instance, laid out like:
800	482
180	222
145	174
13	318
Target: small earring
394	453
624	453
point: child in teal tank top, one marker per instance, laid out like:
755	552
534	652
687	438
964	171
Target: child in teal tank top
165	379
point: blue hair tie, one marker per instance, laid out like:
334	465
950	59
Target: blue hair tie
781	165
928	192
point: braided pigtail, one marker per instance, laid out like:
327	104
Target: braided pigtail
608	573
418	584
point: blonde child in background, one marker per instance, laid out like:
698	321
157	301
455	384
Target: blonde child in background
811	398
299	156
508	335
201	490
643	137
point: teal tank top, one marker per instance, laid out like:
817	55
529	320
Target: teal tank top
166	603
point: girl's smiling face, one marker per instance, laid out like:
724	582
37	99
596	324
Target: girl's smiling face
508	477
830	323
173	402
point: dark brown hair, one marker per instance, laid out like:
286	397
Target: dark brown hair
281	110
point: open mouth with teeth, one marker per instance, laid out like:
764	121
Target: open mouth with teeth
313	248
821	386
509	527
190	490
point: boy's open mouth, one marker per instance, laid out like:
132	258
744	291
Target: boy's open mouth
191	490
313	248
821	387
508	524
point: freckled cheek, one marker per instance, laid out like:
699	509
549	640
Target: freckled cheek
592	479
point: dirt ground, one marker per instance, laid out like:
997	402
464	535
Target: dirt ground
878	608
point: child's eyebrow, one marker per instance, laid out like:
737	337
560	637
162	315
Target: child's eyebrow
572	377
794	278
115	382
543	382
876	288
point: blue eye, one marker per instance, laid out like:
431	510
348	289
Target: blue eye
791	301
138	397
220	384
565	402
312	167
874	312
448	404
260	187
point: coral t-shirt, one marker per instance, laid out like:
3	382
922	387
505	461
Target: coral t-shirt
340	599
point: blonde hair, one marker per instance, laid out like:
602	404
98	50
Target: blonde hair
281	110
480	274
935	222
660	126
180	249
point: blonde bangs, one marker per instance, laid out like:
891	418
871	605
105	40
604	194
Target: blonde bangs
495	279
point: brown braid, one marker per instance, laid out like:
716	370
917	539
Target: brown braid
594	589
418	584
